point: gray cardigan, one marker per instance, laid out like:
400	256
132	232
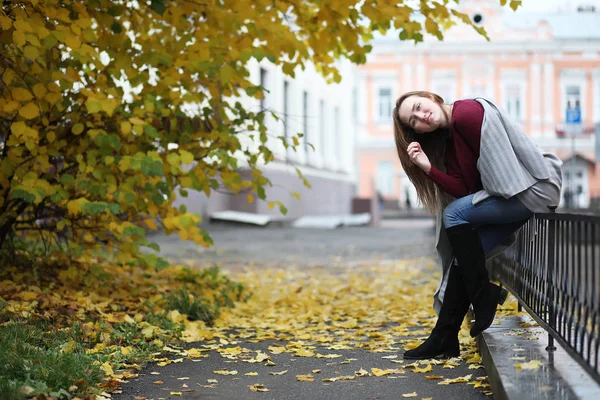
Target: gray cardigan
510	164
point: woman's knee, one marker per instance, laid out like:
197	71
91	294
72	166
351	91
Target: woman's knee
452	214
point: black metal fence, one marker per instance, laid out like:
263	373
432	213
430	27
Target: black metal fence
554	271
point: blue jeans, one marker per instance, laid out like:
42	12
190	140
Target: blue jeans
495	217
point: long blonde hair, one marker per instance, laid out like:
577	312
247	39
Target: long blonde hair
432	143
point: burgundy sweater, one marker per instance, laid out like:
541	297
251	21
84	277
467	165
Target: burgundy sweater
462	151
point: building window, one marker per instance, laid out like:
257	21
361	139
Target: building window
444	90
263	84
385	177
513	102
385	104
478	90
573	97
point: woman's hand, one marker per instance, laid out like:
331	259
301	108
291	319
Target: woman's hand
418	157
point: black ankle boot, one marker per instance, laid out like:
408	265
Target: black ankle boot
443	341
491	296
483	294
440	344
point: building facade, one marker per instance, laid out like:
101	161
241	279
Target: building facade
323	113
536	66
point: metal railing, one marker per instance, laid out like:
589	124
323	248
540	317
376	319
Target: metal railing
554	272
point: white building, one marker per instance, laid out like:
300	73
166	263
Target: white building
325	113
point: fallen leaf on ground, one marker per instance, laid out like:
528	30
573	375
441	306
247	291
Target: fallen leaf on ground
278	373
531	365
258	387
305	378
225	372
428	368
413	394
460	379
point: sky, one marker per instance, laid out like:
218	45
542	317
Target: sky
551	5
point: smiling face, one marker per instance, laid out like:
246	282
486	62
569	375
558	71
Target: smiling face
422	114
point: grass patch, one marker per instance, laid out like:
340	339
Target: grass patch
32	363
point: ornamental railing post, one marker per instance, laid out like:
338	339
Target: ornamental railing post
550	276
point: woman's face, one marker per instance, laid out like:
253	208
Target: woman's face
421	113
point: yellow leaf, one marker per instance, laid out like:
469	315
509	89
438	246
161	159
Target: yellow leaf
380	372
434	377
531	365
125	127
271	205
150	223
279	373
258	387
77	129
176	394
107	369
148	332
476	359
460	379
251	374
109	105
19	38
428	368
225	372
305	378
329	355
72	41
304	353
30	111
10	106
21	94
39	90
277	349
413	394
5	22
186	157
27	296
31	52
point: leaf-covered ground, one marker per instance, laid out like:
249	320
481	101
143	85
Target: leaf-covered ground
311	332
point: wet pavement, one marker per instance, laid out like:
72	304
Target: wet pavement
241	244
338	252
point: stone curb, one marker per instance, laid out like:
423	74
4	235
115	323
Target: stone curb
518	340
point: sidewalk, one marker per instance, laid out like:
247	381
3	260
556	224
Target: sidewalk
520	368
330	315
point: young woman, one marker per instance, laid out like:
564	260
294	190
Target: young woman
483	177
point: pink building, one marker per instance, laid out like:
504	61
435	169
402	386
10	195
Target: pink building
535	66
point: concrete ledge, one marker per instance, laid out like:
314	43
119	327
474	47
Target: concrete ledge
516	340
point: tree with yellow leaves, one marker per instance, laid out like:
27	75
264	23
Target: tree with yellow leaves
87	165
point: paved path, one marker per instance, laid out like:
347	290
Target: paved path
350	292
